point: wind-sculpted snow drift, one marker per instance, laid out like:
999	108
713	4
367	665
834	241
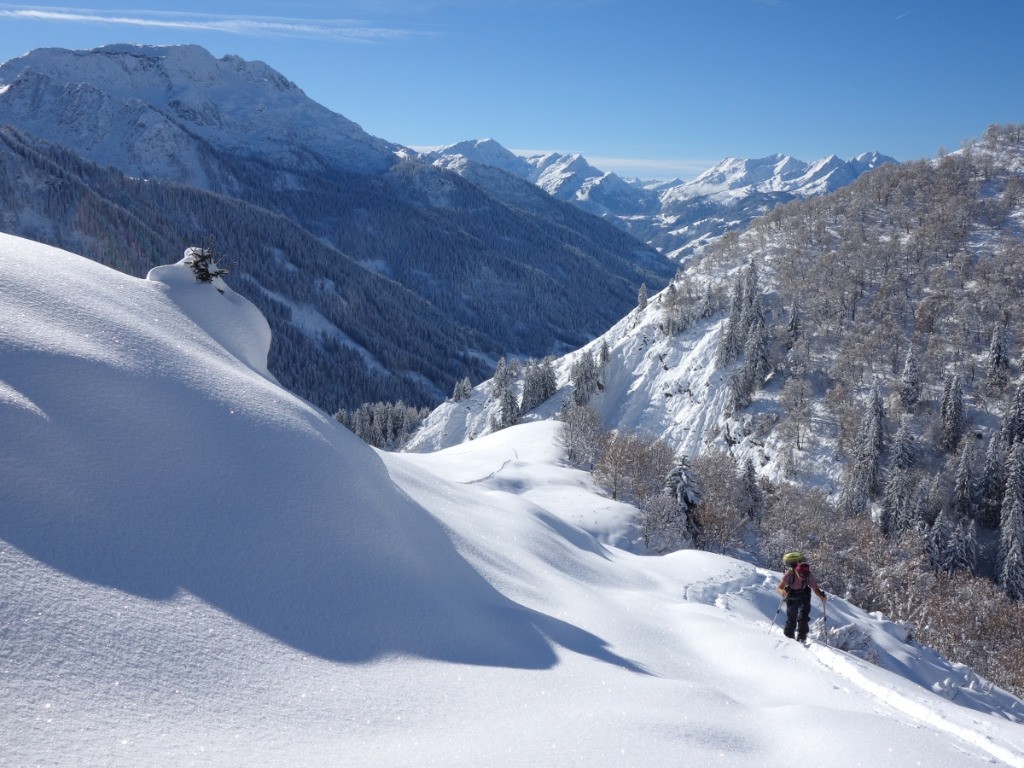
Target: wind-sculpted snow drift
197	567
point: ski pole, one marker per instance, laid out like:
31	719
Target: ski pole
824	623
776	615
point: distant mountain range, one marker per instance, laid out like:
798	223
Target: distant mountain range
678	217
383	277
386	274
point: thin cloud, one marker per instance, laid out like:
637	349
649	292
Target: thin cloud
250	26
651	168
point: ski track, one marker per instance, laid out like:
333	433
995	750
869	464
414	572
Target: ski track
846	667
734	582
718	590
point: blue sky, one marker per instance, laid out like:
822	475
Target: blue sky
655	88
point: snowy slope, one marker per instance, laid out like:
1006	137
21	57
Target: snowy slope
198	568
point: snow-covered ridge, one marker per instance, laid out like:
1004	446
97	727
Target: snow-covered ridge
174	94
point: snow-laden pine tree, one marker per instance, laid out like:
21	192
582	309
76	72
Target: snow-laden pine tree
919	516
751	495
896	502
997	367
503	378
910	382
793	325
730	345
965	498
940	542
463	390
539	383
585	377
508	409
964	547
641	297
877	419
1011	527
751	296
903	452
951	414
669	521
862	473
993	486
1013	422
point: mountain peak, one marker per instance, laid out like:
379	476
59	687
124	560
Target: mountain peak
162	98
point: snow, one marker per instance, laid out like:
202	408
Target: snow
167	96
198	568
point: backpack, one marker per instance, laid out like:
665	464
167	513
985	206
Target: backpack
790	559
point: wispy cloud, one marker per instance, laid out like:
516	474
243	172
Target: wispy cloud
652	168
352	30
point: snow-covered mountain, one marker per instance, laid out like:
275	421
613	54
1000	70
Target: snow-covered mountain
679	217
156	111
120	152
197	567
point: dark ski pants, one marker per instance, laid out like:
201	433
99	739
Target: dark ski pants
798	614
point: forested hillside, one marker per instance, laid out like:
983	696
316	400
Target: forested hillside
873	351
323	308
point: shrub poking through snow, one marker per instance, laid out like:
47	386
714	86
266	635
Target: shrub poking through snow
203	264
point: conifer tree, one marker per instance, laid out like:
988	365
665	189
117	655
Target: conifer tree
1011	528
964	493
502	379
793	326
903	452
876	420
463	390
965	547
1013	421
919	516
669	521
539	384
751	297
951	414
896	502
1011	575
751	495
862	474
584	377
910	382
641	297
940	542
993	486
997	367
734	335
508	409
